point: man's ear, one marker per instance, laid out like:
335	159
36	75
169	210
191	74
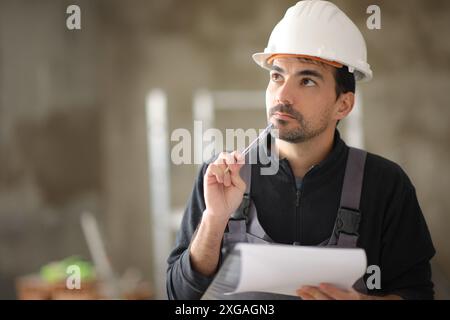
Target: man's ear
345	105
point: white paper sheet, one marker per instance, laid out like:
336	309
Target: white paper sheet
283	269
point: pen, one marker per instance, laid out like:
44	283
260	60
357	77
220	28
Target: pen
247	150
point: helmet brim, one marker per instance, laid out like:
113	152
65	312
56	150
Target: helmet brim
261	58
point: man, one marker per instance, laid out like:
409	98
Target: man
314	55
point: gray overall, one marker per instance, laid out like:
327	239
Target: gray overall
244	226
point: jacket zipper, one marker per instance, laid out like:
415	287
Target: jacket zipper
297	200
298	193
298	217
297	205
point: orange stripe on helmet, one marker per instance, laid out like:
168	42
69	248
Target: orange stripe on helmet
281	55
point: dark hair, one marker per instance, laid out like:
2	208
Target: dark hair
345	81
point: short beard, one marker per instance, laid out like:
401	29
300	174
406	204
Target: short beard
303	132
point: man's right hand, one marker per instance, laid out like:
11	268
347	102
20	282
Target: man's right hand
223	192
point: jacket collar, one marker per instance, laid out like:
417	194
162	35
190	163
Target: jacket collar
334	158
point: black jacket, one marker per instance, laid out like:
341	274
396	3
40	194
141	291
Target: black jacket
393	231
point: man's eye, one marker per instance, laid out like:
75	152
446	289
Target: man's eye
275	76
307	82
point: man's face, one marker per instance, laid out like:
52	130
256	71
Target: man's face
301	99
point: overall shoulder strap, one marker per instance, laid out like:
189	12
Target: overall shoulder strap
242	211
353	179
345	233
237	224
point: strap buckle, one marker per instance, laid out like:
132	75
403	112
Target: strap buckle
347	222
242	212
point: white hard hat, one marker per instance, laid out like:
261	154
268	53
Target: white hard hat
318	29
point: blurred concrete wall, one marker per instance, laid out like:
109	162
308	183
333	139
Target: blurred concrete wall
72	121
50	146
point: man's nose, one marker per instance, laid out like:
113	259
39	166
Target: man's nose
284	94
